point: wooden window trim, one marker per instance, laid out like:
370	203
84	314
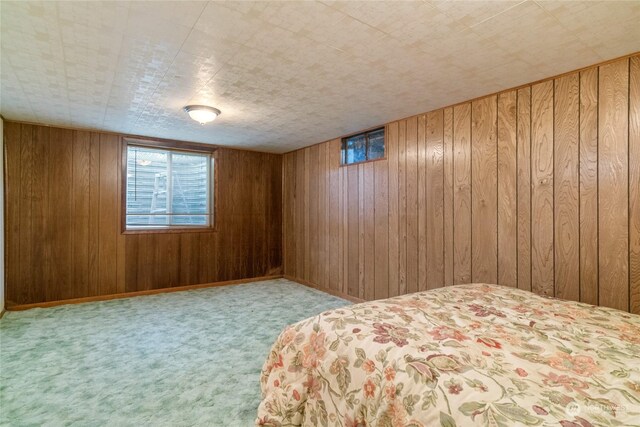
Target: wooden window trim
366	134
177	146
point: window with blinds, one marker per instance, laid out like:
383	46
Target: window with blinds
168	188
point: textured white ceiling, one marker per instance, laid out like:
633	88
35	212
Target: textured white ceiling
286	74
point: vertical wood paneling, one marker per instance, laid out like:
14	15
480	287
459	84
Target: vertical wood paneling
536	188
288	208
484	195
542	274
287	205
435	196
306	214
323	235
225	240
394	231
524	188
94	220
448	195
41	247
121	243
352	245
146	272
188	257
423	213
402	207
589	186
327	220
27	236
334	214
80	193
381	238
361	231
312	164
166	250
462	194
131	268
60	213
109	215
505	187
613	179
567	187
368	215
507	196
273	205
13	281
63	190
344	188
634	184
412	204
299	223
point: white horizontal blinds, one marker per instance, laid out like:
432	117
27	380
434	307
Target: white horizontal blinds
167	188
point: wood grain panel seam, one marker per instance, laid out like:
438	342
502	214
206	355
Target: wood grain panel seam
634	195
629	243
444	203
471	139
598	186
553	188
579	192
453	194
517	284
530	189
497	153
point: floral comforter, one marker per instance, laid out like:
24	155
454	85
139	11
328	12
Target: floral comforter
456	356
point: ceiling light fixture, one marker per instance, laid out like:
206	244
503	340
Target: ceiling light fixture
201	113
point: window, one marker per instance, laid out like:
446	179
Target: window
168	188
363	147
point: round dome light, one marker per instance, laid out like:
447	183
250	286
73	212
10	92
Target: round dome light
202	113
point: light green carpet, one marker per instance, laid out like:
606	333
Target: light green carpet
180	359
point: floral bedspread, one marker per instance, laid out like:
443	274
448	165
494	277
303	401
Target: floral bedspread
456	356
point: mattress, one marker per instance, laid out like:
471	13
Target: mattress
463	355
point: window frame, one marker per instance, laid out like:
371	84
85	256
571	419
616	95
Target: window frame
180	147
343	146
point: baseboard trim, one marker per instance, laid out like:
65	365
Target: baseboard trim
20	307
2	313
323	289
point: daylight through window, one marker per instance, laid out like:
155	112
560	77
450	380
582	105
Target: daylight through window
168	188
363	147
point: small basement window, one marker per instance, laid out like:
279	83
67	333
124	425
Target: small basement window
363	147
168	188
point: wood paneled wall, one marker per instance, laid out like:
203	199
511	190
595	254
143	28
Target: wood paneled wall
63	239
536	187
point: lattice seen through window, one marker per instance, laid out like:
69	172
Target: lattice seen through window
168	188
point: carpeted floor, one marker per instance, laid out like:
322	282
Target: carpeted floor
180	359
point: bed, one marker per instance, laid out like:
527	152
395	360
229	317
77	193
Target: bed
463	355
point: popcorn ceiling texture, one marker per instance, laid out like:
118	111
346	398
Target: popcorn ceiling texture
286	74
184	358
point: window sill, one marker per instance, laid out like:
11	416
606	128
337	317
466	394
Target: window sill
169	230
